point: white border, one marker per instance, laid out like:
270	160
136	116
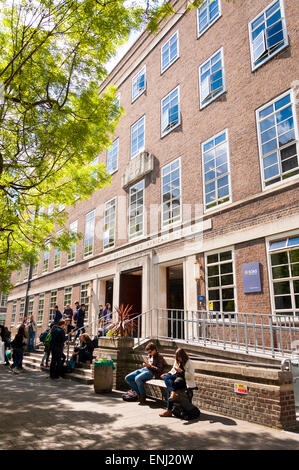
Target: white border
94	218
137	237
163	134
201	106
214	20
114	171
177	222
134	98
142	148
114	237
178	49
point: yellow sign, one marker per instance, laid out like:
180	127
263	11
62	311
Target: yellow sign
210	305
239	388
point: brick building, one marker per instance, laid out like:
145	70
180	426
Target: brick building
204	168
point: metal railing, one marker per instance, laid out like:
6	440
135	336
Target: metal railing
266	335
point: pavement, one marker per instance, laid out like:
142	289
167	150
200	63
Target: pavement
37	413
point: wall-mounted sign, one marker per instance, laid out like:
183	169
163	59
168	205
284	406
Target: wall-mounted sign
239	388
251	277
211	306
201	298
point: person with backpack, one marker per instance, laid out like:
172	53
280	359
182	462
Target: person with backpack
180	377
45	338
80	321
58	338
18	345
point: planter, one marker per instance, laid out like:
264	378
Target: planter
116	342
103	377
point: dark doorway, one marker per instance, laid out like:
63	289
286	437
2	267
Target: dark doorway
131	294
175	301
109	293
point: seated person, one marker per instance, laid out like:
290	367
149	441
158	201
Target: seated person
152	367
84	352
180	377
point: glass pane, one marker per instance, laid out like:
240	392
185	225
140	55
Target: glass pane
294	256
212	258
214	294
213	270
226	255
228	293
226	268
280	272
283	302
227	280
279	258
295	269
228	306
213	281
281	287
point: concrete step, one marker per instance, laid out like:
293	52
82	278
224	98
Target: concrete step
79	378
82	375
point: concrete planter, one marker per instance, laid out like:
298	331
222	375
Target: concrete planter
116	343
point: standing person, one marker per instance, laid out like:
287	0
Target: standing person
68	313
58	339
107	317
18	344
32	329
100	312
77	306
57	315
5	338
80	321
2	345
180	377
152	367
47	342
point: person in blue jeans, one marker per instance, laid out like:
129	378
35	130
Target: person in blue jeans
152	367
17	344
32	328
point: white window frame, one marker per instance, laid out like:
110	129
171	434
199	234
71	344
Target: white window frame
67	291
83	301
285	34
199	34
40	316
113	170
270	239
13	313
206	210
3	300
178	51
30	306
278	183
214	252
141	72
57	254
141	149
52	304
179	221
163	133
22	310
92	216
47	251
114	232
73	248
139	234
213	98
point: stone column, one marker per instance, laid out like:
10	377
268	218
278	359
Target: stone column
190	298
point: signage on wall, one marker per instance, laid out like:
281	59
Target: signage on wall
251	277
210	305
201	298
239	388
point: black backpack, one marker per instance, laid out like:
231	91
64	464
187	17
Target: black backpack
131	395
192	413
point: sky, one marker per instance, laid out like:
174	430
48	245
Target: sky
122	50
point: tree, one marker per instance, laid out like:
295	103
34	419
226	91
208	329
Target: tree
53	123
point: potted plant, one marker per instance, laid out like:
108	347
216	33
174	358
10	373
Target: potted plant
123	326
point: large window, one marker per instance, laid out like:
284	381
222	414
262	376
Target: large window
57	254
22	310
30	305
84	299
46	259
14	311
40	311
170	112
207	14
109	223
139	83
211	78
170	52
71	256
220	281
89	233
138	137
267	34
67	298
136	210
26	271
171	193
112	157
53	302
277	140
284	264
216	170
3	300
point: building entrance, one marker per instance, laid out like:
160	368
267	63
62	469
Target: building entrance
175	301
109	293
131	292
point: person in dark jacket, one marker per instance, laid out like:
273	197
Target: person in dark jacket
57	316
18	344
5	337
68	313
85	350
80	321
58	338
152	367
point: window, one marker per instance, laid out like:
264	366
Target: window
71	256
138	137
89	233
22	310
284	264
171	193
40	311
207	14
67	298
53	302
139	83
34	269
18	277
3	300
109	223
267	34
26	271
30	305
14	311
211	78
216	170
84	299
277	140
136	210
57	254
170	112
112	157
220	281
46	258
170	52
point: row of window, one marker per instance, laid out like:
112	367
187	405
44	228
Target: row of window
17	317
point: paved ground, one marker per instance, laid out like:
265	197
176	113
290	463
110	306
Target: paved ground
37	413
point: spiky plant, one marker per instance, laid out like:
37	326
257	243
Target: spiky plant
122	327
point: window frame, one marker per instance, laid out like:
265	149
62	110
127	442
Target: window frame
207	210
201	105
141	149
73	247
114	234
177	222
285	34
115	169
46	250
143	90
89	253
139	235
164	133
178	52
293	103
66	294
199	34
51	313
14	313
41	297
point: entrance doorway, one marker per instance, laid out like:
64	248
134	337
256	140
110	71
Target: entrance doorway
131	293
109	293
175	301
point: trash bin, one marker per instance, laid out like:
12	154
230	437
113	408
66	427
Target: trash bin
103	375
